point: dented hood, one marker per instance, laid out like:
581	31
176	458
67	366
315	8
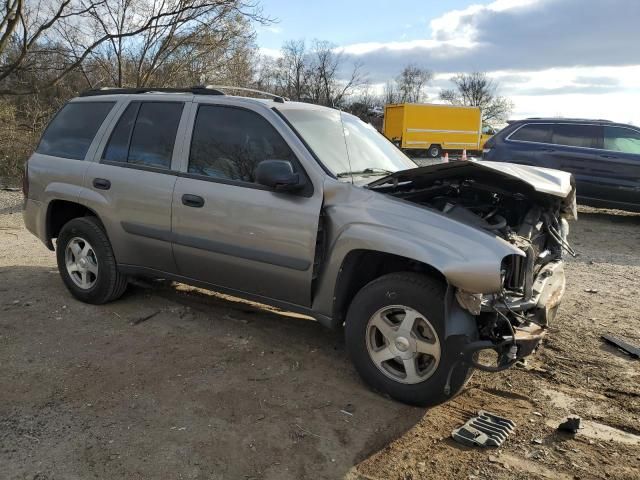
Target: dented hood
542	180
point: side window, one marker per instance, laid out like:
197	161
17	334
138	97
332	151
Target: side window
622	140
538	133
117	150
145	134
229	143
575	135
71	131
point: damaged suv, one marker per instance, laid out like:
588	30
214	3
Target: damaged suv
433	271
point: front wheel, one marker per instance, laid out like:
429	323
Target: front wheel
395	337
86	262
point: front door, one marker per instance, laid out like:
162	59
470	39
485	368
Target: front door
619	164
576	150
230	231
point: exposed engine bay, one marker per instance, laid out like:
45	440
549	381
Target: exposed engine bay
513	321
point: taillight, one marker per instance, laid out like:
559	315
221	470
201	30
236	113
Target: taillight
25	180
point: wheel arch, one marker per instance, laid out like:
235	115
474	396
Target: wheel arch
361	266
59	212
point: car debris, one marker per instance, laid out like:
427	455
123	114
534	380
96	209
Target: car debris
622	345
571	425
484	430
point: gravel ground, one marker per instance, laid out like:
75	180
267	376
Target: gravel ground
176	382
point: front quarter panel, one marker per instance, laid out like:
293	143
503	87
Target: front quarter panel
361	219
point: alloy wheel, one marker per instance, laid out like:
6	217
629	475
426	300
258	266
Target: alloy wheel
403	344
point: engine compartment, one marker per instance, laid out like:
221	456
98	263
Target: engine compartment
531	222
522	206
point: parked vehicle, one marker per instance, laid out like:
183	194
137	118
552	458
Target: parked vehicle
435	128
603	156
308	209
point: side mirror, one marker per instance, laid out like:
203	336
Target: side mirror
279	175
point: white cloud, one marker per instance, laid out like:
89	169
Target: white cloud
270	52
568	57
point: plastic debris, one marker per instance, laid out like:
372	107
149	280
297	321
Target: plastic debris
484	430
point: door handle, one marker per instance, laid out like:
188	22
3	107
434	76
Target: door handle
195	201
101	183
608	156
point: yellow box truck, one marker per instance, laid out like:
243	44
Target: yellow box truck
434	128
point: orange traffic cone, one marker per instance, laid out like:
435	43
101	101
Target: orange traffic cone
464	154
446	157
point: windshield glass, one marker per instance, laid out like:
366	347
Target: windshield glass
345	144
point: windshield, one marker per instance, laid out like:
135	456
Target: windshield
345	144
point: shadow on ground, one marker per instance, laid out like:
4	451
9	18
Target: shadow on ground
172	379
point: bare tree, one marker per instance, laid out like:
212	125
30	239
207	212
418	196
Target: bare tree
293	70
478	90
317	74
390	92
411	82
61	37
326	88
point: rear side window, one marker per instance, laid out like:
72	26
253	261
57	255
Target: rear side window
621	139
228	143
538	133
145	134
575	135
71	131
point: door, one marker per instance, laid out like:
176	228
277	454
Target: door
232	232
530	144
133	184
619	164
576	150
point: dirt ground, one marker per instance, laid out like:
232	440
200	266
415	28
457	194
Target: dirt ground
175	382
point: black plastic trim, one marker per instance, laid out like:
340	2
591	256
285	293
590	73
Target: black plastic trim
137	166
128	269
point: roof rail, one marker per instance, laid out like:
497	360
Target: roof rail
196	90
276	98
571	119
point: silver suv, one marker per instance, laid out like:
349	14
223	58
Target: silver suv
433	271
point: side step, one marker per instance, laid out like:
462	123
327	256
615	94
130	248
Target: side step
484	430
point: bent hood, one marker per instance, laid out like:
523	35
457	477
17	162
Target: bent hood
543	180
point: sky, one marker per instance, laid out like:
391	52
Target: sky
572	58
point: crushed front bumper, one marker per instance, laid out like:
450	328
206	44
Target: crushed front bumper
540	309
547	292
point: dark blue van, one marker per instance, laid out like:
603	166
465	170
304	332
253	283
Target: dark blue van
603	156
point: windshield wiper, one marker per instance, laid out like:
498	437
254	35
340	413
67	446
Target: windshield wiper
366	171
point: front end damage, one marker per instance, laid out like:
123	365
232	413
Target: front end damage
523	206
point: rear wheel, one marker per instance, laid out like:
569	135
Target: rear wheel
434	151
395	337
86	262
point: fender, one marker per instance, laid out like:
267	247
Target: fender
470	265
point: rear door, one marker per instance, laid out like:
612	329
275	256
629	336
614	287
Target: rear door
230	231
132	183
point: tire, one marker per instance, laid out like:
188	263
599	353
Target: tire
84	248
434	151
418	294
